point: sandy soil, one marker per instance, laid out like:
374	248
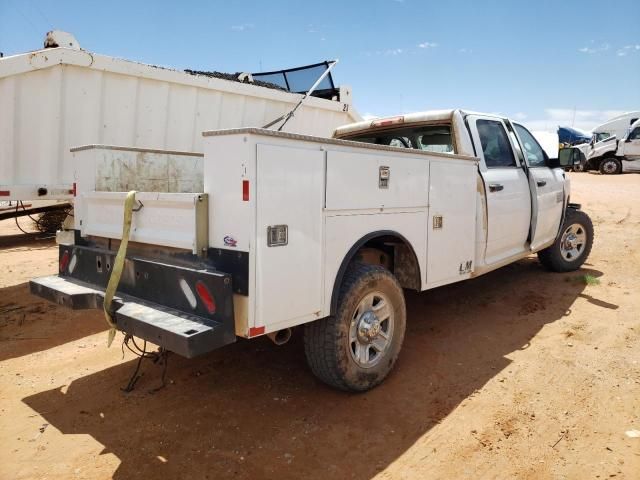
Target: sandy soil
517	374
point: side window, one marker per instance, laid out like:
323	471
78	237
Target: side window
532	149
495	144
430	138
635	134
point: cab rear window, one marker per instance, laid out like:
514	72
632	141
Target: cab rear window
431	138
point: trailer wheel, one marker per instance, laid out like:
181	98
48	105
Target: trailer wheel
610	166
573	245
356	349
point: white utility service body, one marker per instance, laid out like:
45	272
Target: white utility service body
327	193
284	220
58	98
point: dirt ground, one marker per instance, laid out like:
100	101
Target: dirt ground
520	373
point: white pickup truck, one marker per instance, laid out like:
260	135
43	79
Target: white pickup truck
613	156
294	230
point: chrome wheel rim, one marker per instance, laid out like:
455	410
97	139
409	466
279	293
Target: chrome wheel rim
371	329
609	166
573	242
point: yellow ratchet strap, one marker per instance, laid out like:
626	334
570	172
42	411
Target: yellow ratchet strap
118	266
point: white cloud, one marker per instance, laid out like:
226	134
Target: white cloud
594	49
567	117
428	45
465	50
627	49
242	27
520	116
388	52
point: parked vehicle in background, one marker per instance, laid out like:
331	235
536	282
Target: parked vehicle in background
617	126
62	96
291	230
613	156
570	136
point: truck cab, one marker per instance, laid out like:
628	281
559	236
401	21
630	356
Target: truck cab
522	193
611	155
629	147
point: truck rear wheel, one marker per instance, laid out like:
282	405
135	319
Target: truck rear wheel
610	166
573	245
356	349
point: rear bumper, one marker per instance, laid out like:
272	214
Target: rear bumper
150	302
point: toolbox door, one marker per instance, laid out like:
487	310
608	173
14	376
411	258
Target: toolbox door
451	227
290	196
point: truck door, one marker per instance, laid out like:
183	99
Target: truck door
506	186
547	190
631	145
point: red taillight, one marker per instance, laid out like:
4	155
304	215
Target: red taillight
4	193
206	297
245	190
255	331
74	191
64	261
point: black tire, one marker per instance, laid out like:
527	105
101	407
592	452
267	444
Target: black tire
610	166
328	343
553	258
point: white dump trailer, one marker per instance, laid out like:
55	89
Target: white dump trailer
58	98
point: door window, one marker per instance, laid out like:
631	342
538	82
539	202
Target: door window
532	149
495	144
635	134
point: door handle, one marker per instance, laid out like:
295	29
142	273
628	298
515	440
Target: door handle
541	183
495	187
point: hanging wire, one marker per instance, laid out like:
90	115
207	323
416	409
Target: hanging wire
48	222
160	356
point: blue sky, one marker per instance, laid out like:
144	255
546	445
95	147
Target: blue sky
543	62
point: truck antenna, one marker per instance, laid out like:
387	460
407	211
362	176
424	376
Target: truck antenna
292	112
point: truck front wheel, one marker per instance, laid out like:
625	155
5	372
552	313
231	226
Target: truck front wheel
572	247
355	349
610	166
